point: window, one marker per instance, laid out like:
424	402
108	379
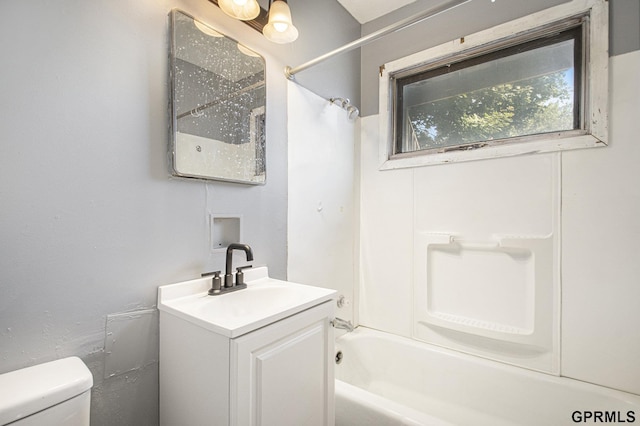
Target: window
523	90
529	91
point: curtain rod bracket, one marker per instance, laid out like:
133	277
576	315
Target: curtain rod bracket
287	73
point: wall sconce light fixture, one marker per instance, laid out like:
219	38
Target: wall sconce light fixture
279	28
244	10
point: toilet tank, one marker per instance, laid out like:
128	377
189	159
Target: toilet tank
54	393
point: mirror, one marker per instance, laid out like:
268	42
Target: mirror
218	98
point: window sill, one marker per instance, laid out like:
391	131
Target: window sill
488	150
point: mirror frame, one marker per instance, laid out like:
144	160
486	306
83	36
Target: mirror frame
253	124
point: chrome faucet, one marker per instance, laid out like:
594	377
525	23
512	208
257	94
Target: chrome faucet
342	324
228	275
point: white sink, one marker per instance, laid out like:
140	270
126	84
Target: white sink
264	301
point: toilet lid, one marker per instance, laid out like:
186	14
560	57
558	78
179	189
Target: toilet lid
32	389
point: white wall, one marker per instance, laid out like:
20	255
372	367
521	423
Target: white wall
322	194
477	202
599	208
600	250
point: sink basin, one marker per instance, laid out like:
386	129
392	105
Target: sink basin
265	300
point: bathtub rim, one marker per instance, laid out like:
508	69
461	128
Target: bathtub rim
570	382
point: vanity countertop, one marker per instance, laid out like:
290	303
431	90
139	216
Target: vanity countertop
264	301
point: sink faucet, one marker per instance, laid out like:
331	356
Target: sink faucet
228	276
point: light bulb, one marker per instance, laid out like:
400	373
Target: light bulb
245	10
280	26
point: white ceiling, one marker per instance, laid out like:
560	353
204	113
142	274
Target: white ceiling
368	10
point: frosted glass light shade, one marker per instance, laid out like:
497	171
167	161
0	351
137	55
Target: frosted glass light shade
205	29
280	29
245	10
247	51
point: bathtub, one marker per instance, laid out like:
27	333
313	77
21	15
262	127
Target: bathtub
385	380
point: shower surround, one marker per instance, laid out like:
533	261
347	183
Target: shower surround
570	213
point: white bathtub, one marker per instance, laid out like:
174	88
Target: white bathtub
389	380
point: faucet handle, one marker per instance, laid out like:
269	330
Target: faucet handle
216	282
240	268
240	274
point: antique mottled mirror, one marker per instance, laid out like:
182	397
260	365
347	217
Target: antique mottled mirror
218	98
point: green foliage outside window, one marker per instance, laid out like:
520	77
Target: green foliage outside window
540	104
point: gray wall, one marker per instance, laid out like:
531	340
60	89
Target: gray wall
330	26
624	31
90	221
468	19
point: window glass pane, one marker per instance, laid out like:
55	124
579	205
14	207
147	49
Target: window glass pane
526	93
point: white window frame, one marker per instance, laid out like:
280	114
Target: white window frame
595	86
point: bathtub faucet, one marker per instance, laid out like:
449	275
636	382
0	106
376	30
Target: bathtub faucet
342	324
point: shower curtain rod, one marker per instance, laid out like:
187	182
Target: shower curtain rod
289	72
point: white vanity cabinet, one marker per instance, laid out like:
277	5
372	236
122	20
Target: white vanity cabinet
277	373
282	374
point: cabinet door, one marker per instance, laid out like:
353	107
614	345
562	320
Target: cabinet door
282	374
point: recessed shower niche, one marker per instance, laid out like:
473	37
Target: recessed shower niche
493	298
218	98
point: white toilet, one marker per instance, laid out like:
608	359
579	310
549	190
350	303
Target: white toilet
52	394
